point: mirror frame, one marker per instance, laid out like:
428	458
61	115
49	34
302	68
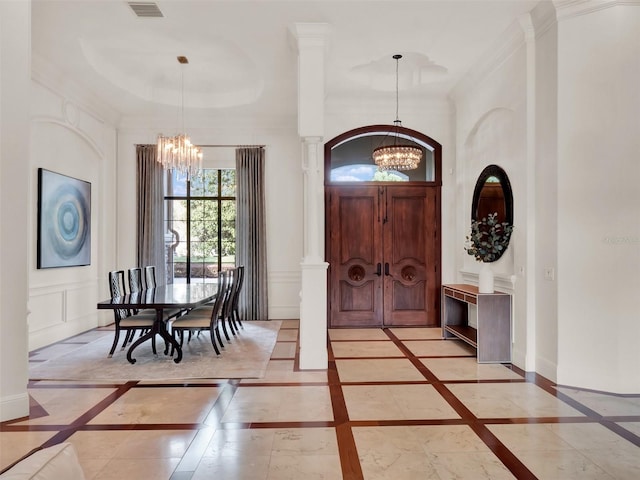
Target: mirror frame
501	175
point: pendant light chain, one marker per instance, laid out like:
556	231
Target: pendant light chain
396	156
397	57
183	127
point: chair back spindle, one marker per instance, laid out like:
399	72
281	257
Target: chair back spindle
135	280
117	290
235	310
150	276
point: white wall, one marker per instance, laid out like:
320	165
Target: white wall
491	128
598	270
15	54
568	102
70	137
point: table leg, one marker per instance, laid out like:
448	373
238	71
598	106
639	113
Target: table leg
140	340
160	328
168	338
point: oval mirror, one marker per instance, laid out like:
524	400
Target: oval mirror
493	194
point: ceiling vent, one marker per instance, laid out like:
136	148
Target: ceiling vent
146	9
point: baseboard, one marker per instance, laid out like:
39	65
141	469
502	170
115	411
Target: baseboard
547	369
283	312
14	406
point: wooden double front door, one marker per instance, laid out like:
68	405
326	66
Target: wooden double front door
383	249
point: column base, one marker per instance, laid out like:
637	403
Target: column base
313	316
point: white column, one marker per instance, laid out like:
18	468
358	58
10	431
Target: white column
16	208
313	305
311	44
528	344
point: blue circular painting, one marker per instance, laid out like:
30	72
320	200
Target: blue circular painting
66	226
65	221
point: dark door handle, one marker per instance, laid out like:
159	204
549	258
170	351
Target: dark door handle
386	268
379	269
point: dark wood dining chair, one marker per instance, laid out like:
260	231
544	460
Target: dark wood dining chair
203	318
235	310
123	318
226	310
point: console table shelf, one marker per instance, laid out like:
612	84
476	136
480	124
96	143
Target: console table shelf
468	334
492	337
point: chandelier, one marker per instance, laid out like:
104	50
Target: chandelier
397	156
178	153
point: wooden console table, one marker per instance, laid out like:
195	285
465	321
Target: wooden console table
492	337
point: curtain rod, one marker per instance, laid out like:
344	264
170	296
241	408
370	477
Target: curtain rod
231	146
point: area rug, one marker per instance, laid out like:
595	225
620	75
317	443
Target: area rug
246	356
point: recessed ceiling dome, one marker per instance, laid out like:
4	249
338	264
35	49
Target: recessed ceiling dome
219	74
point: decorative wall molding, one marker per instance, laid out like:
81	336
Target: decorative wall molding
58	304
566	9
284	294
284	312
285	276
503	283
35	290
56	107
82	134
49	76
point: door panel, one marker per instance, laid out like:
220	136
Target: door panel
355	244
409	243
383	256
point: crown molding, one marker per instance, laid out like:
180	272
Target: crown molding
566	9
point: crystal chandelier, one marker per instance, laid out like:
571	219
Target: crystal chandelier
396	156
178	153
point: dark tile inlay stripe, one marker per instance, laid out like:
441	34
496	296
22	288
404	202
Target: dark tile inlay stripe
65	431
515	466
349	461
550	387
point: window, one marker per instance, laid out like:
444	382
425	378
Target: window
200	234
351	160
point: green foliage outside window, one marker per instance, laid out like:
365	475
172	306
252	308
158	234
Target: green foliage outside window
209	201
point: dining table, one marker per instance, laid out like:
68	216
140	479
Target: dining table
182	296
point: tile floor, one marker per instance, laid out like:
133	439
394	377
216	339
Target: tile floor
397	403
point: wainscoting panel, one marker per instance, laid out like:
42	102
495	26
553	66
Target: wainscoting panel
60	311
46	309
284	295
81	300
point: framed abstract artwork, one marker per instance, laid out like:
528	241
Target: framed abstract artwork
64	220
